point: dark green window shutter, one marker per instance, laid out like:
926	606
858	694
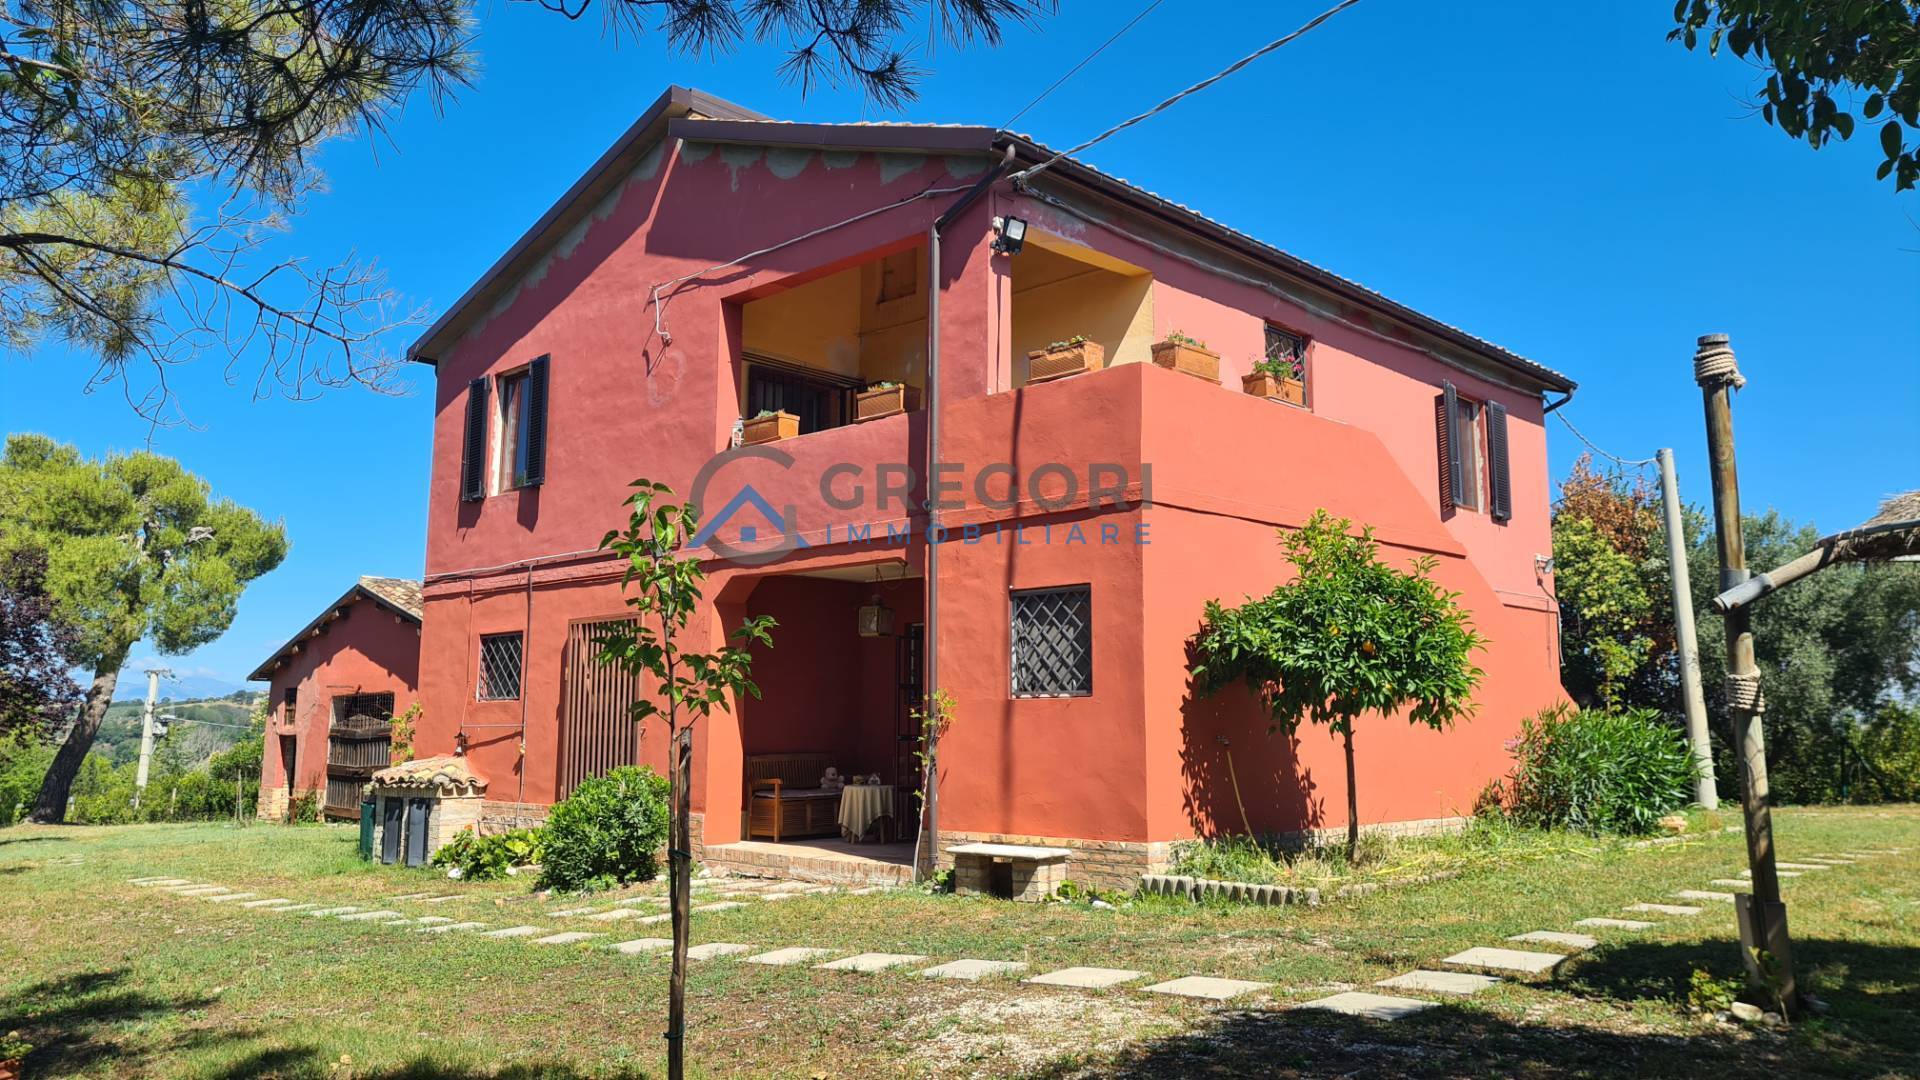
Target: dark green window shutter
1446	429
536	433
1497	479
473	449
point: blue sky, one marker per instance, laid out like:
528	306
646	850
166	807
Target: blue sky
1554	177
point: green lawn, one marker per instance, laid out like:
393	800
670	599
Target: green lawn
108	979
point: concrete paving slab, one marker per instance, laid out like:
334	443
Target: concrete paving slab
1371	1006
1205	987
572	911
770	897
1702	894
1732	882
643	945
872	961
200	890
1557	937
1507	961
724	905
292	907
614	915
1801	866
405	897
225	898
972	969
571	937
635	901
788	957
716	949
1086	978
424	920
868	890
187	887
439	899
1777	873
1617	924
150	883
651	920
1664	909
369	916
444	928
321	913
266	903
1440	982
515	931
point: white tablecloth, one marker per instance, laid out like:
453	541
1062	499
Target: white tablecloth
861	805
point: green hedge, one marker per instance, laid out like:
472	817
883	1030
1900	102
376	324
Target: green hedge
1600	772
608	832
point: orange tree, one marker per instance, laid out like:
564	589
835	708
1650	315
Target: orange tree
1349	635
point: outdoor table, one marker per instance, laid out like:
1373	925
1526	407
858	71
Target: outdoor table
863	804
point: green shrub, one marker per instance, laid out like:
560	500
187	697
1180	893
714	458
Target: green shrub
23	765
608	832
305	809
487	858
1600	772
1889	756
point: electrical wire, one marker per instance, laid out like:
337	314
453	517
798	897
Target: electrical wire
1075	70
1230	69
1615	458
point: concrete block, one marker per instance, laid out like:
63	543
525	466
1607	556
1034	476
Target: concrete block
973	969
872	961
1370	1006
571	937
1440	982
1507	961
1616	924
640	946
1556	937
788	957
1202	986
1664	909
1086	978
717	949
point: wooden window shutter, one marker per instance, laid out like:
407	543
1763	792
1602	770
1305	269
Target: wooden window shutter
1497	480
1446	427
536	433
473	449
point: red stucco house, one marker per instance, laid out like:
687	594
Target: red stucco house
332	691
715	265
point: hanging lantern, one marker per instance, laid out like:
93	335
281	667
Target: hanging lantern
876	618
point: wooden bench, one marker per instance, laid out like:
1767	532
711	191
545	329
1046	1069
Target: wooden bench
1010	871
785	799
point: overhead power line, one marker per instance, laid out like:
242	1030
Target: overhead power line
1304	29
1075	70
1624	463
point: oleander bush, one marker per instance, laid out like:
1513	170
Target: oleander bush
610	831
1598	772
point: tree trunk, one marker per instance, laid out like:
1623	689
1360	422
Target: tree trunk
679	863
1353	802
51	807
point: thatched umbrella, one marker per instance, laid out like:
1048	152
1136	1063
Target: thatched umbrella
1893	533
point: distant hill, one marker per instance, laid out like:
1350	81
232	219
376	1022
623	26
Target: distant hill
133	687
190	743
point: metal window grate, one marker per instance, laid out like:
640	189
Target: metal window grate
1287	349
1053	642
499	667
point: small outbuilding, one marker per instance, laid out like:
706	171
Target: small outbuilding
333	691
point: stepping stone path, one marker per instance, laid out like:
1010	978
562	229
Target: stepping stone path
1664	909
226	897
1702	894
202	890
571	937
726	905
717	949
1440	982
266	903
1211	989
408	896
1616	924
1732	883
573	911
424	920
1556	937
440	899
613	916
515	931
1799	866
149	883
1513	961
1086	978
1371	1006
973	969
369	916
321	913
788	957
448	927
872	961
643	945
1777	873
293	907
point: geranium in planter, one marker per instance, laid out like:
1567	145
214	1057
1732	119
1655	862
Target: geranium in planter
885	399
1182	353
770	426
1276	380
1063	358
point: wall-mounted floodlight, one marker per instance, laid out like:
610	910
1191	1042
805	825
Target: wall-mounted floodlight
1010	235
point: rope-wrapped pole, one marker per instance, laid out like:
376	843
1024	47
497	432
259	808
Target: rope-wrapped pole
1766	949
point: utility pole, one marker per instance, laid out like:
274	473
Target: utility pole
1705	791
1765	946
146	733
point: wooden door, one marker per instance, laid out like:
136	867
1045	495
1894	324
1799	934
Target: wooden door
908	651
597	731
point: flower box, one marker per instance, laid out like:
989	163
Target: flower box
770	428
886	401
1060	361
1274	388
1187	357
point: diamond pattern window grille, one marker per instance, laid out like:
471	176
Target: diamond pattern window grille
499	667
1053	642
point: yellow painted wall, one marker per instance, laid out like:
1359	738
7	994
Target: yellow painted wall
836	324
1115	310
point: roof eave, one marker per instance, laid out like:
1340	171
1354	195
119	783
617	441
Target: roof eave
677	101
264	673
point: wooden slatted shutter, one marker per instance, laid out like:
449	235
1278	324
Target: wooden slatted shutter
1501	504
473	448
536	432
1446	429
597	732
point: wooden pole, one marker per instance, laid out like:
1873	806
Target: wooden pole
1766	947
679	863
1705	791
